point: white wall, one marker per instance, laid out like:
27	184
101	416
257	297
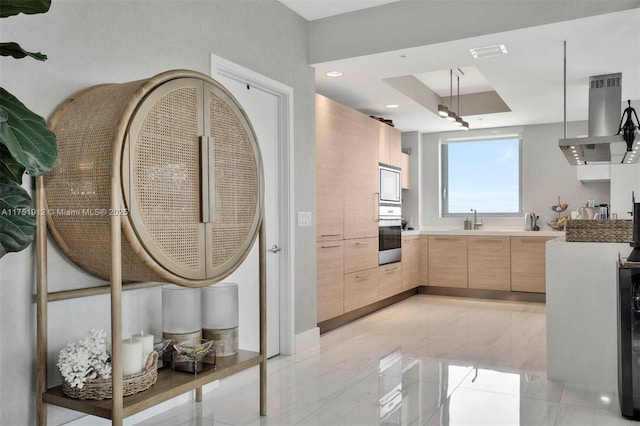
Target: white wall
545	173
92	42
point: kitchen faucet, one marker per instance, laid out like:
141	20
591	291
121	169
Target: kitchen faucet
476	225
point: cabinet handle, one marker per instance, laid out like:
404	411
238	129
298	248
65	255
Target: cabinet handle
391	269
530	240
491	240
446	239
362	243
206	202
362	276
330	235
334	246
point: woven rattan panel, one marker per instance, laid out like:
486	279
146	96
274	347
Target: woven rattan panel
165	176
77	189
236	183
192	206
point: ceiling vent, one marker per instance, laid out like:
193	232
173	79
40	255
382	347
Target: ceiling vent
488	51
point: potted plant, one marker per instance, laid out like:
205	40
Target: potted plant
26	145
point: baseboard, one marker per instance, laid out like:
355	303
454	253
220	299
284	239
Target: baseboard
518	296
343	319
307	339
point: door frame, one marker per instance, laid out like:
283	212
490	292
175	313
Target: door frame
284	96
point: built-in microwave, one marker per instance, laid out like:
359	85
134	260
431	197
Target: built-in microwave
390	185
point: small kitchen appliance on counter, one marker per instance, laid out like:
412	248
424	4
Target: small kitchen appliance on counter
531	222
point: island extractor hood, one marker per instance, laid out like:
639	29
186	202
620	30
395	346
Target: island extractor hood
603	144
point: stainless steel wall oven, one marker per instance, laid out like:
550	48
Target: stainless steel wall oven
389	234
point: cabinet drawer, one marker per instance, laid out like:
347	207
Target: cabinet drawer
389	280
489	262
330	277
360	289
360	254
448	261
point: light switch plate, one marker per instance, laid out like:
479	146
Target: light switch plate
304	218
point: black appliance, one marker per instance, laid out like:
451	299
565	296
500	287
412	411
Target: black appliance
629	325
629	339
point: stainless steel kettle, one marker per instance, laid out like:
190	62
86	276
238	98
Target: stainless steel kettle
530	220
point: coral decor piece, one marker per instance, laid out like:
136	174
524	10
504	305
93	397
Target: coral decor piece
85	359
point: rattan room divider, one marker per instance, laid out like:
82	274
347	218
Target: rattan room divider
157	181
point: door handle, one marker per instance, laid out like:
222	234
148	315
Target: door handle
275	248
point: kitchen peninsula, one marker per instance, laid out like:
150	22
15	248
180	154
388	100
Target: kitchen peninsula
581	311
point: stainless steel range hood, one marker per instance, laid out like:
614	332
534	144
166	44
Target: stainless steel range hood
602	144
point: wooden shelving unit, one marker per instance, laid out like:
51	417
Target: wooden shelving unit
170	383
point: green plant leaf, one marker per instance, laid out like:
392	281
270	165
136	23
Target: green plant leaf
29	7
14	49
26	136
9	167
17	219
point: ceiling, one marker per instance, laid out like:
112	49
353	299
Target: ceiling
317	9
529	79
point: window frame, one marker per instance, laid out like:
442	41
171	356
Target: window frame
444	175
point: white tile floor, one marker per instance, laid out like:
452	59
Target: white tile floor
464	362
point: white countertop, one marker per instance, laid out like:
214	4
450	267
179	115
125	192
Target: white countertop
510	232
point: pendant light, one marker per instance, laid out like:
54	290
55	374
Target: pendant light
459	121
443	111
449	113
452	116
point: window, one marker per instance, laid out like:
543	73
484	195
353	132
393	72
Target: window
484	175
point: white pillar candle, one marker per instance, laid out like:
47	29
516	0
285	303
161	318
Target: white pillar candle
220	306
147	345
131	356
180	309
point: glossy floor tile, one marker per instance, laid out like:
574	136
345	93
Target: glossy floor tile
428	360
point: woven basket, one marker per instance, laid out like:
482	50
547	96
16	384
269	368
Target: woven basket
133	383
599	231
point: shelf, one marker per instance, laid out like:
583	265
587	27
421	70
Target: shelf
170	384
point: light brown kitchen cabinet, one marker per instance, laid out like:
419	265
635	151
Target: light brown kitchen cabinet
330	280
331	122
423	275
389	145
405	171
389	280
360	254
448	261
489	262
410	262
361	177
360	289
528	272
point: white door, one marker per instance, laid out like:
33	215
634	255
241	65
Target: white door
262	109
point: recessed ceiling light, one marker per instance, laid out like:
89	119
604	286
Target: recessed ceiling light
486	124
392	106
488	51
334	74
